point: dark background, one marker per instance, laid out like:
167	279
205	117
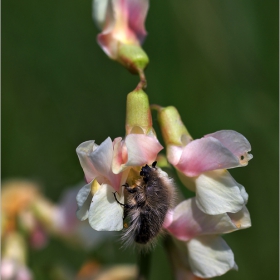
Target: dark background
216	61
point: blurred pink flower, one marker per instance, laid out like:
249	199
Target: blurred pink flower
13	257
13	270
207	253
67	226
38	237
201	164
121	21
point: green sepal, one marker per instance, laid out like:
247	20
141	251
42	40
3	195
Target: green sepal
173	130
138	113
133	58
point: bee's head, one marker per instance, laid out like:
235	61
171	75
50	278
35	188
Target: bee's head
146	170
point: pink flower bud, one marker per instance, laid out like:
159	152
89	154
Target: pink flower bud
123	31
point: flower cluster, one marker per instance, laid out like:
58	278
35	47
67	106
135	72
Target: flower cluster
195	224
219	204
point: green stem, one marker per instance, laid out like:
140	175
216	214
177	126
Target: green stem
143	82
169	248
144	264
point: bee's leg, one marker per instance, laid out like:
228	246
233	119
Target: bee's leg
124	205
125	213
129	189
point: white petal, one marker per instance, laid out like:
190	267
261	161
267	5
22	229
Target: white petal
210	256
83	194
83	152
241	219
188	182
102	158
217	192
105	214
189	221
99	11
83	200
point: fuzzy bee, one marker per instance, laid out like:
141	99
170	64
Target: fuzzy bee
147	203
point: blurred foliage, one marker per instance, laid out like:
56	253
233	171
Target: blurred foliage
216	61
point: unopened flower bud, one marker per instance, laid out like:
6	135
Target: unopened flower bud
138	113
173	130
123	31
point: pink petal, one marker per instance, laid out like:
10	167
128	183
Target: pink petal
124	25
204	155
141	149
38	238
168	219
8	268
174	154
131	15
116	180
235	142
189	221
137	12
108	43
97	162
24	274
120	155
12	269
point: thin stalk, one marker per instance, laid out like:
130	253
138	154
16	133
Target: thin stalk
144	265
143	82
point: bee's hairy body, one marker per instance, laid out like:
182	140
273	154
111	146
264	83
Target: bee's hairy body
147	204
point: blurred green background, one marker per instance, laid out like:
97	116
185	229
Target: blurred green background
216	61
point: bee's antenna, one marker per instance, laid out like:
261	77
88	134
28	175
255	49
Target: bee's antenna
154	164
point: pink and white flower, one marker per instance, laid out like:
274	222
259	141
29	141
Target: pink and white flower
106	168
13	257
201	164
208	255
122	22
